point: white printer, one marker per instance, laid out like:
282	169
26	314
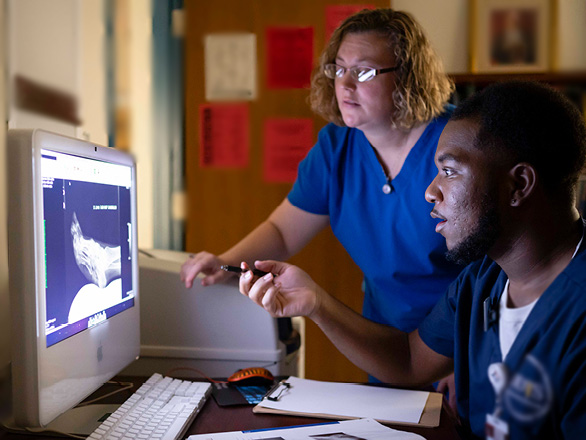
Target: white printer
213	329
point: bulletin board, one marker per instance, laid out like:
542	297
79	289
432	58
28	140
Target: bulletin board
230	188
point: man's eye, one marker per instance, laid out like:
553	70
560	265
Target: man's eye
448	172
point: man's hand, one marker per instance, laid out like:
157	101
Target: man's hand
285	291
447	386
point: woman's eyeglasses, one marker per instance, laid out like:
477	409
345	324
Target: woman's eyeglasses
358	73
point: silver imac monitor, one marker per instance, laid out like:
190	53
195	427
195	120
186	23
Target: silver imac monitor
73	270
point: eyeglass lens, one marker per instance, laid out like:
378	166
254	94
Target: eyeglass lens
359	73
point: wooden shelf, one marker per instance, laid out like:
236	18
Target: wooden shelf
553	78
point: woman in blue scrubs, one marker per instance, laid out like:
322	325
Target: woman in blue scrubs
384	93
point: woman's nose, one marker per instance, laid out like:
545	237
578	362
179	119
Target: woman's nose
347	81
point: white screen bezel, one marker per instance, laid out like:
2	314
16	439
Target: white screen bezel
62	375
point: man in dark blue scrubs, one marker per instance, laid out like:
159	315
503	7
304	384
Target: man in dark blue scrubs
513	324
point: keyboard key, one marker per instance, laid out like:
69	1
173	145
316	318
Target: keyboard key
162	408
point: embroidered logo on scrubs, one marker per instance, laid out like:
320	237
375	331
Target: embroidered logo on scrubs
529	394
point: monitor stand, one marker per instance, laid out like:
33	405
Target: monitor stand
82	420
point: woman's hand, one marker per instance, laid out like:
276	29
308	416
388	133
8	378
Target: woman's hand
285	291
206	263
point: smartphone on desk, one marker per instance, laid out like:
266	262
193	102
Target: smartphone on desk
229	394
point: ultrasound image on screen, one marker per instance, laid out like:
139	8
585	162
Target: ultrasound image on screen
88	270
100	264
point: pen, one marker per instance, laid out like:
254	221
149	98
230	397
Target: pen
236	269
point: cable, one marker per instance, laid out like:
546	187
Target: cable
168	373
148	254
125	386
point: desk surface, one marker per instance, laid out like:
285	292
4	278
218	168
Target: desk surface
214	418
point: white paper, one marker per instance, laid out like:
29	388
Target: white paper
350	400
230	67
363	429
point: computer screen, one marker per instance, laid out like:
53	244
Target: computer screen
73	270
86	215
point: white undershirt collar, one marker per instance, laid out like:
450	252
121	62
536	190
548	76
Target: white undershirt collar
511	320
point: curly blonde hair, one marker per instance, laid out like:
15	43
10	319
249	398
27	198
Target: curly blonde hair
422	87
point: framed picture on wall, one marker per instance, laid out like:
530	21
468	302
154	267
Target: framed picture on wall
511	36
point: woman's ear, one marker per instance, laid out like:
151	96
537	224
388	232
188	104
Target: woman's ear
523	180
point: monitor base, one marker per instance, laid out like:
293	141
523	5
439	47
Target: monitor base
82	421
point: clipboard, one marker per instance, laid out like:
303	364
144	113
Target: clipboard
430	417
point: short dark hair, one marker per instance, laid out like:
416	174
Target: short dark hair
526	121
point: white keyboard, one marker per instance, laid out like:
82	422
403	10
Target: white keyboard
162	408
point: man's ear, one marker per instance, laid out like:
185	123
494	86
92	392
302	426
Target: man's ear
523	180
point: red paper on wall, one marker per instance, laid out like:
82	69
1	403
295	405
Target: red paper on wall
286	143
224	135
289	57
336	14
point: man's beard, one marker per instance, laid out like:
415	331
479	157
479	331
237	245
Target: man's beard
478	243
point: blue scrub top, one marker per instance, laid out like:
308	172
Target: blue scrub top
546	393
391	237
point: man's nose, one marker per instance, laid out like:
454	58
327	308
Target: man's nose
432	193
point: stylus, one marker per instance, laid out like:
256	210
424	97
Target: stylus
236	269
